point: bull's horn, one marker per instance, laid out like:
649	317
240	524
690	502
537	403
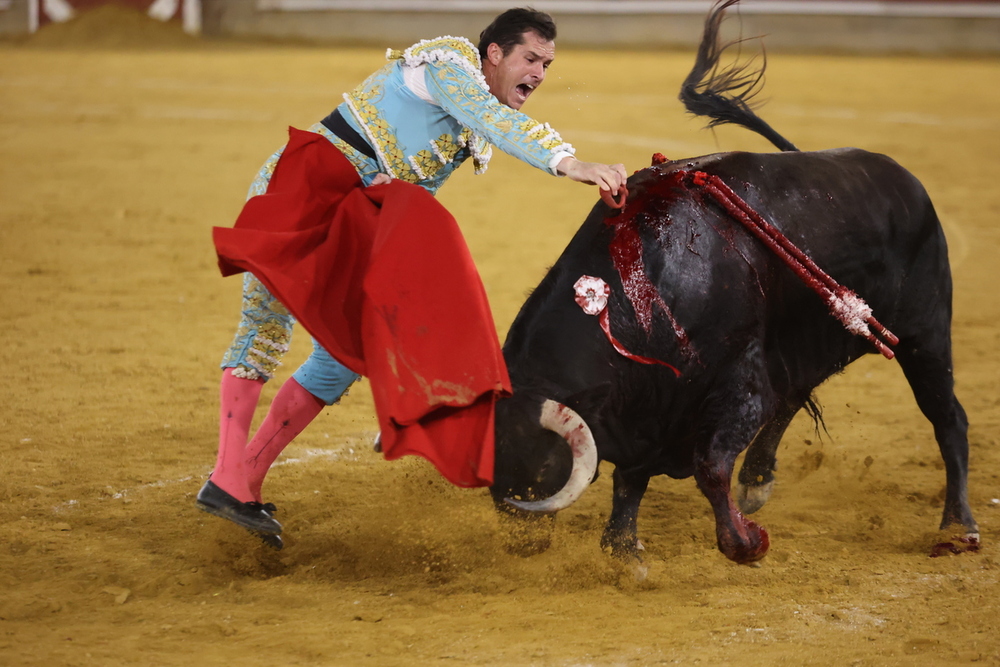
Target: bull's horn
560	419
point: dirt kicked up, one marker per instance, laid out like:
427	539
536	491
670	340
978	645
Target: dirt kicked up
115	162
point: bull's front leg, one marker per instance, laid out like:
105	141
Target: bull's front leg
740	539
739	415
620	532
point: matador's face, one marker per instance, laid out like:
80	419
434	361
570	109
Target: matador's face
513	77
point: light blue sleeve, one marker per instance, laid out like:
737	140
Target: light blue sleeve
516	134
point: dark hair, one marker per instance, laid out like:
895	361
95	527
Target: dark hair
507	30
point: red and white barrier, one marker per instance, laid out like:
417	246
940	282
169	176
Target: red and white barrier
188	12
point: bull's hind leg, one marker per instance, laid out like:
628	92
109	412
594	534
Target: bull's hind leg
929	373
756	478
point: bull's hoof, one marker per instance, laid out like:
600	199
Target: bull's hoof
748	546
629	552
751	498
640	571
622	548
959	545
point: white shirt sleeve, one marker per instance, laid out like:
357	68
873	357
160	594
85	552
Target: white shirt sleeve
413	77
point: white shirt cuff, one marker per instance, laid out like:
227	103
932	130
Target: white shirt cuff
556	159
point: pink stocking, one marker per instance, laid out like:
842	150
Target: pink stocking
239	398
291	411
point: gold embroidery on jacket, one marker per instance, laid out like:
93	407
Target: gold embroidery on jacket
380	134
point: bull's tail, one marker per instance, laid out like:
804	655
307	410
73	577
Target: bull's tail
724	94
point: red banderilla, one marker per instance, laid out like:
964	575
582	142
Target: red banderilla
845	305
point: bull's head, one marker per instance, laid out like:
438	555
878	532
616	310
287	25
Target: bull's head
536	473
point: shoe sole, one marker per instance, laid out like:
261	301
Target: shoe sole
242	522
273	541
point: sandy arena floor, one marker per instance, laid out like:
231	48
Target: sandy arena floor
116	163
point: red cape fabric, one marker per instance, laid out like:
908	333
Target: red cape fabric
382	278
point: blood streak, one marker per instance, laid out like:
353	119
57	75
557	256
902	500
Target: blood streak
626	253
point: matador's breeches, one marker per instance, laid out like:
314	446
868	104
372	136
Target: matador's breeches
263	335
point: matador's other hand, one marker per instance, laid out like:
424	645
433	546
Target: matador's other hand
380	179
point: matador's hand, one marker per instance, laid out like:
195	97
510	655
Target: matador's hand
605	176
381	179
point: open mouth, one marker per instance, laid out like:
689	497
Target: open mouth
524	89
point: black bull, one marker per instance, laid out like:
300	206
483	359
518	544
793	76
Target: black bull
750	340
758	341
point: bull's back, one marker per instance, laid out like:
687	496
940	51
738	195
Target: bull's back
865	221
861	216
836	200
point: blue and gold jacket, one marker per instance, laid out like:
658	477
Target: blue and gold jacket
422	130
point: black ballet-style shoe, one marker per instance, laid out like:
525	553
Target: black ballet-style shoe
253	515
